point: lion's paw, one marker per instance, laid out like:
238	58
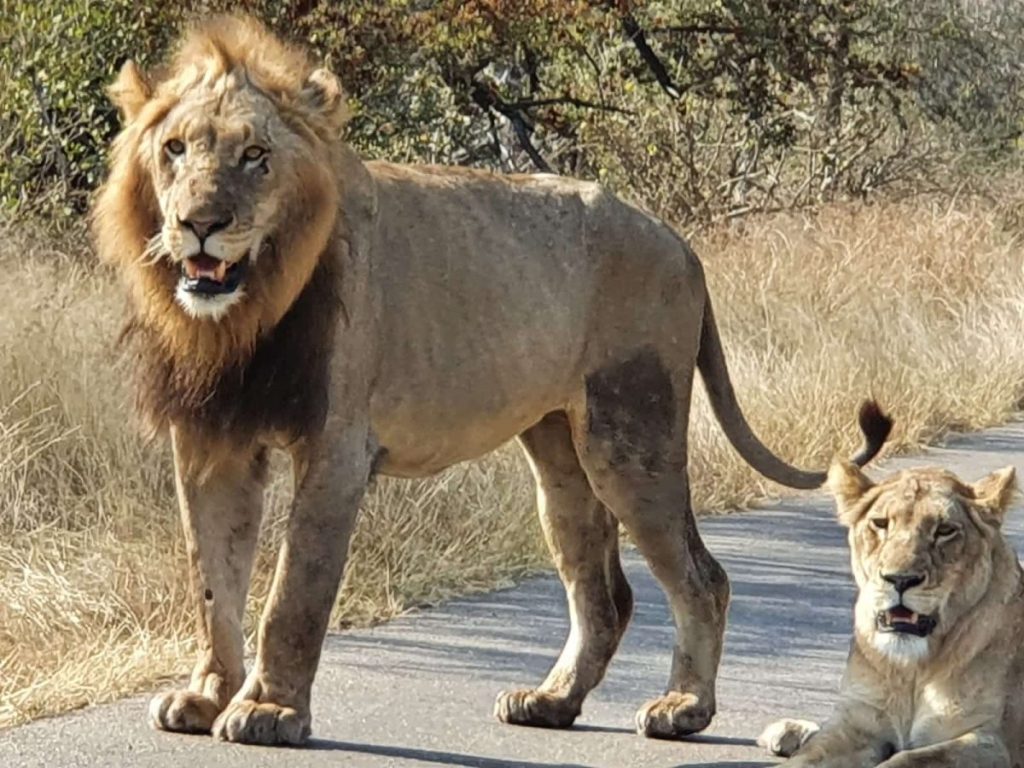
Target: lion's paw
673	716
784	737
536	708
183	712
254	722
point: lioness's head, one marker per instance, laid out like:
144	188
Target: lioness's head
223	187
925	549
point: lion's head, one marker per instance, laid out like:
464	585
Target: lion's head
926	550
223	187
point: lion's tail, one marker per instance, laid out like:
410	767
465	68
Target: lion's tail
874	424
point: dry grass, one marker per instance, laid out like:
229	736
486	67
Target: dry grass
916	304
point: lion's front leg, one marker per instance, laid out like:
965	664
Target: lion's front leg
977	750
272	706
220	499
850	740
783	738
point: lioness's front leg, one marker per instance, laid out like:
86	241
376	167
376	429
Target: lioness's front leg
850	741
977	750
220	498
272	706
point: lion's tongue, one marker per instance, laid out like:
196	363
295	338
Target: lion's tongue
902	615
206	266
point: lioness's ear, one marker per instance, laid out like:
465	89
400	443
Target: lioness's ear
995	492
847	484
130	91
322	93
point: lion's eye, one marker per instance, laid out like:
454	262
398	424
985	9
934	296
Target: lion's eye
879	523
174	147
945	530
253	153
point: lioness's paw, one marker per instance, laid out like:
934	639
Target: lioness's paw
253	722
183	712
673	716
784	737
531	707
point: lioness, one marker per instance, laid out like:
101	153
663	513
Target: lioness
372	317
935	677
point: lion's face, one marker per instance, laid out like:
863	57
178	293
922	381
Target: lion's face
224	186
221	163
921	546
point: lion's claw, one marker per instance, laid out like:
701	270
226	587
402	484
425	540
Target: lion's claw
673	716
183	712
253	722
536	708
784	737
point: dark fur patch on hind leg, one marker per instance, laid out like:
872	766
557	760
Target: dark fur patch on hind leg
631	406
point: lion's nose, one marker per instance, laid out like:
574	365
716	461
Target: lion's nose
203	228
903	580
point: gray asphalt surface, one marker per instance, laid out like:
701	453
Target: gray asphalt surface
419	690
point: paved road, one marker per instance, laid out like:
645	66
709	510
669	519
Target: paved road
419	690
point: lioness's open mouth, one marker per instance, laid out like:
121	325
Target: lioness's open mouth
902	620
209	276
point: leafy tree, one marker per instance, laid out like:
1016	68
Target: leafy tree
697	108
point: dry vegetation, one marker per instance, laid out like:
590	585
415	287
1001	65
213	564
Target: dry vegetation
916	303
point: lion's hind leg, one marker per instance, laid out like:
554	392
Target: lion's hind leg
632	444
583	538
784	737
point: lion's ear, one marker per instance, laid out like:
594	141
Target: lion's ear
130	91
323	94
847	484
995	492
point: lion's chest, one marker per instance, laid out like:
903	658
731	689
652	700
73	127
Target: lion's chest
944	708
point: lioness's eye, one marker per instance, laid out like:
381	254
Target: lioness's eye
880	523
945	530
174	147
253	153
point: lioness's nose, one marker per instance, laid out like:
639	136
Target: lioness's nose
203	228
903	580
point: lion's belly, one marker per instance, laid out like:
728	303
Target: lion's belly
422	438
485	289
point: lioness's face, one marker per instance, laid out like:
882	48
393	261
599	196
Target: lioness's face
220	161
921	548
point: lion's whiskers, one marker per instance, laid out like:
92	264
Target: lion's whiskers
154	251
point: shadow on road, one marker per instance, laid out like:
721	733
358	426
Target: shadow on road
475	761
431	756
723	740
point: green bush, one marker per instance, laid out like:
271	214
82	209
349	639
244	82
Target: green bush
56	57
697	108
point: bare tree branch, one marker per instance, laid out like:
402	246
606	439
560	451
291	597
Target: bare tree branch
488	99
523	134
635	34
568	100
700	29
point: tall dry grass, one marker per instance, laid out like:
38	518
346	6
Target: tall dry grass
918	304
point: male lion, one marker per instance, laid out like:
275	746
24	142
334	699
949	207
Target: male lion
935	677
399	319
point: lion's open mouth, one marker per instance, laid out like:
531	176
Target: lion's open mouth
902	620
209	276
